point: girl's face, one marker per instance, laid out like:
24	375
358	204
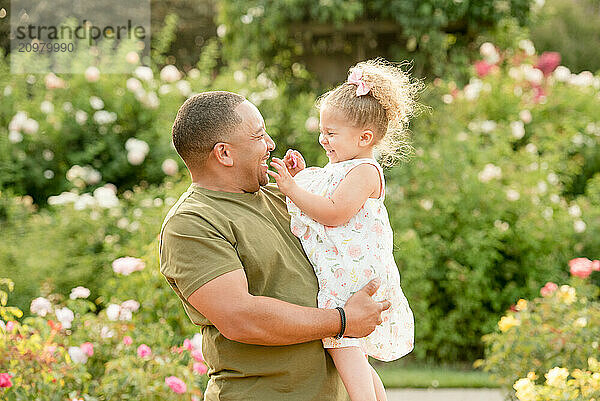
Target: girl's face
341	140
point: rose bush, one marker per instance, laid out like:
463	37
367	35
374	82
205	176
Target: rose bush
557	333
584	385
72	352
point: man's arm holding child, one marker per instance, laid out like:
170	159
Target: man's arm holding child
259	320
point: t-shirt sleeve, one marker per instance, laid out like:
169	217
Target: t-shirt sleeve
193	252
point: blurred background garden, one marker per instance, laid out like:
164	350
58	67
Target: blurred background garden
496	217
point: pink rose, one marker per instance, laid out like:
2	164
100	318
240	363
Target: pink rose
581	267
548	289
128	265
5	380
338	273
200	368
87	348
10	325
176	384
197	355
127	340
187	344
548	62
144	351
483	68
596	265
50	349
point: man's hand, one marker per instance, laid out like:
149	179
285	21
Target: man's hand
363	314
294	162
283	178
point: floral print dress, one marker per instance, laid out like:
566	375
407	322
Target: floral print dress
347	257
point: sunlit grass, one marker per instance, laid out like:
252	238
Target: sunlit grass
410	374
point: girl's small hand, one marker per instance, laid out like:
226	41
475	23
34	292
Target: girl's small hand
294	162
283	178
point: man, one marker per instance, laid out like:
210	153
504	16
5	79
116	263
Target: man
227	251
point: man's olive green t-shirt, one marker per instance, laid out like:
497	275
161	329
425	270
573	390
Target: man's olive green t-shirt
209	233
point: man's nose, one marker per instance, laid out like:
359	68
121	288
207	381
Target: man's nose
270	142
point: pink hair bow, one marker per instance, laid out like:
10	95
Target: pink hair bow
355	78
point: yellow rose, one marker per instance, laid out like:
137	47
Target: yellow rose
567	294
593	364
521	304
507	322
556	377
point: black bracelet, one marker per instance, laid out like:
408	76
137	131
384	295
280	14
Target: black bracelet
343	316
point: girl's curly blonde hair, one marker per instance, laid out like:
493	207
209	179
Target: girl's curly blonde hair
386	109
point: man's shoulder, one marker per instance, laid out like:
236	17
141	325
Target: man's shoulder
190	205
272	190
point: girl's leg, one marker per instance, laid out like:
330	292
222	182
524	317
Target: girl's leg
355	372
379	389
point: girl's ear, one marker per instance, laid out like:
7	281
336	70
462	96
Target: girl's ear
366	138
222	153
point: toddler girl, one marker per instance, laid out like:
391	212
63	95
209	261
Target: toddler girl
338	212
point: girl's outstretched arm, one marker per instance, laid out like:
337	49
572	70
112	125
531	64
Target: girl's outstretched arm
360	183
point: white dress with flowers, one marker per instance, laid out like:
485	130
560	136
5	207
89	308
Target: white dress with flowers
347	257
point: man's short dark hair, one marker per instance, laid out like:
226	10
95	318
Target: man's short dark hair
202	121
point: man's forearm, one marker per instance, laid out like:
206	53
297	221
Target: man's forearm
270	321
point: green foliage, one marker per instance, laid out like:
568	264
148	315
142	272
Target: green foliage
492	207
83	243
438	36
560	329
572	29
163	41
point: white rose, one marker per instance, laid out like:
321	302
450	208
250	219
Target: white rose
77	355
169	167
105	332
92	74
562	73
518	129
30	126
170	73
134	85
144	73
79	292
184	87
15	137
525	116
40	306
512	195
65	316
132	58
131	305
112	312
127	265
46	107
125	315
136	157
197	341
96	103
106	197
80	117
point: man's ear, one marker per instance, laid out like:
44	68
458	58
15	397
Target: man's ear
366	138
222	153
